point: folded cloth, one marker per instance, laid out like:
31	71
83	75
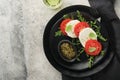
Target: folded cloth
105	8
111	72
110	20
106	11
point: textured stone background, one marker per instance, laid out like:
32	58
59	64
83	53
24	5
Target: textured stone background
22	24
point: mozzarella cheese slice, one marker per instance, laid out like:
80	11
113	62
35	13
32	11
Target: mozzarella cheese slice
70	28
86	34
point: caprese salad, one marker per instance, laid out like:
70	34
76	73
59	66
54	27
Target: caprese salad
81	29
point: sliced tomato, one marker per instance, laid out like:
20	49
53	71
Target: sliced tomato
63	25
93	47
79	27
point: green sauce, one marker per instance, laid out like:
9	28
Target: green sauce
53	2
67	50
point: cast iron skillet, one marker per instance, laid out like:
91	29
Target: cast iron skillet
62	67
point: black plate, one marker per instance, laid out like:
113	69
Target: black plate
76	65
65	69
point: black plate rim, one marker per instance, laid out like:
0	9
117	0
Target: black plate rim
54	63
75	66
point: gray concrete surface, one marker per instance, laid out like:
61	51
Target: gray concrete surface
22	23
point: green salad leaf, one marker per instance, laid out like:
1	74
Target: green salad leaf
58	33
91	60
79	15
97	29
65	16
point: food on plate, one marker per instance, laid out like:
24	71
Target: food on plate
86	34
67	50
79	27
70	28
63	25
93	47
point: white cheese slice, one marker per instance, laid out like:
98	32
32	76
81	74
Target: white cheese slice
86	34
70	28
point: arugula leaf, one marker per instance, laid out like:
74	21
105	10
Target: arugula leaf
65	16
82	50
75	41
91	60
97	30
101	37
79	53
72	17
78	59
79	15
102	53
58	33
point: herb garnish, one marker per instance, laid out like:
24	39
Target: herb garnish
97	29
78	59
81	50
65	16
79	53
76	41
79	15
91	60
58	33
102	53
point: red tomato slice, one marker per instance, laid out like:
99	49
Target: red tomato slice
93	47
79	27
63	25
